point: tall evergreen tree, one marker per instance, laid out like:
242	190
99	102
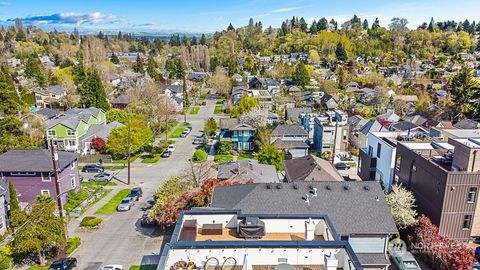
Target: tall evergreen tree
375	24
230	27
138	66
301	77
431	25
322	24
92	92
466	93
365	25
313	27
34	70
114	59
203	40
9	99
17	217
303	25
340	52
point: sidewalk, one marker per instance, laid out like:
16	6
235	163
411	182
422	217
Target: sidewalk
74	222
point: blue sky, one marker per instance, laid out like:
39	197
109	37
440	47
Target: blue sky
209	16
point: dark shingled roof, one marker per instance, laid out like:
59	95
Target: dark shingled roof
282	130
298	169
33	160
353	207
293	113
467	124
372	259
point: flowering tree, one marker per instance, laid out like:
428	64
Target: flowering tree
401	203
450	253
255	118
199	197
98	144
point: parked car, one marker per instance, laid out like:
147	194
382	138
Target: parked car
126	204
171	148
135	193
166	154
113	267
184	134
93	168
405	261
102	177
204	103
146	221
63	264
342	166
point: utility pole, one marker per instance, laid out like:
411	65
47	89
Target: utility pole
166	118
55	173
128	148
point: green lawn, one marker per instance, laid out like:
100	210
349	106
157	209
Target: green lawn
220	101
87	189
38	267
203	94
223	158
111	206
143	267
195	110
178	131
218	109
105	193
153	159
245	156
124	161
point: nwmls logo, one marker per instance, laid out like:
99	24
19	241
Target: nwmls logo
397	247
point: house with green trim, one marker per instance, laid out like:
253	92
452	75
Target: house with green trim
68	129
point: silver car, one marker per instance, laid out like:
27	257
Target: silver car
126	204
406	261
102	177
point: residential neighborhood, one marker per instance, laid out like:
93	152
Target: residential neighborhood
279	136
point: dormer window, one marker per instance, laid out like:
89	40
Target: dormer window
71	132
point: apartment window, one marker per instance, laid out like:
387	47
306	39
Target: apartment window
370	150
72	142
71	132
398	160
246	133
344	134
379	149
467	222
46	177
414	168
235	133
472	195
45	192
52	133
74	183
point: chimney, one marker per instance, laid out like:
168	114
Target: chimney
309	230
331	262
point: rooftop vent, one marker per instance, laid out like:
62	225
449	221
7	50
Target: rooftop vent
310	186
328	187
346	187
314	192
279	186
269	186
367	188
295	186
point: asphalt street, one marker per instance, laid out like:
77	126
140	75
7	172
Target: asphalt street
120	239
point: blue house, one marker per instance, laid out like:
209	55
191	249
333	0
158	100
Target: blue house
241	135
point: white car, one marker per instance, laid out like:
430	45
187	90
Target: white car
171	148
112	267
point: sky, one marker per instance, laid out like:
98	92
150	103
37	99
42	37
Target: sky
201	16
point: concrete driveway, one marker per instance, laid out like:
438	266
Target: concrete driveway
121	240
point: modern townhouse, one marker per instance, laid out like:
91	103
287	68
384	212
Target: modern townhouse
331	132
445	180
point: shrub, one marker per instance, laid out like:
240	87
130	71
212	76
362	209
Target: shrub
73	243
200	155
91	222
98	144
446	253
225	148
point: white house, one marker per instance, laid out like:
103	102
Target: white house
377	160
